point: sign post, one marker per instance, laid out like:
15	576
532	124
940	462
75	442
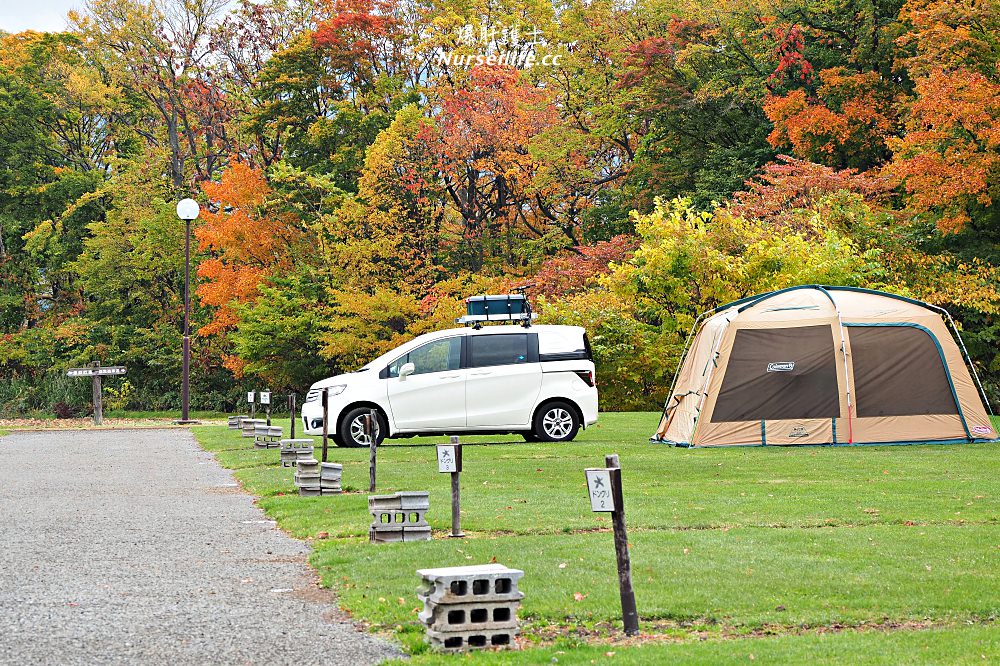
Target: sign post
450	462
325	397
372	447
252	399
291	413
95	372
604	486
265	400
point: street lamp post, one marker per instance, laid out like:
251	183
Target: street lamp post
187	210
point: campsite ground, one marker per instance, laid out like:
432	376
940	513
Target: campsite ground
832	555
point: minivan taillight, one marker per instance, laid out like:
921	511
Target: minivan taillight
587	376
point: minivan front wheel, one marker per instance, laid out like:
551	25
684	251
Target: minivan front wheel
351	429
556	422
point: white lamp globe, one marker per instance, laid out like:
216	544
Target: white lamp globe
188	209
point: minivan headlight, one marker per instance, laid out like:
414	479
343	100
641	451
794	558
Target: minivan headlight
316	394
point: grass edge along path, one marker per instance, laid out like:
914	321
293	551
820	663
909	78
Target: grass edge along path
376	584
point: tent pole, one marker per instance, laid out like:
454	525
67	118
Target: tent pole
847	376
968	360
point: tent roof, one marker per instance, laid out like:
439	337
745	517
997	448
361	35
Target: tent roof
750	301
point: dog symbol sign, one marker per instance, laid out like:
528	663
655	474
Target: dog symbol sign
599	487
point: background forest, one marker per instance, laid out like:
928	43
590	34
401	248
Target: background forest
360	176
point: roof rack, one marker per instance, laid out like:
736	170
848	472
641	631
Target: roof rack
505	308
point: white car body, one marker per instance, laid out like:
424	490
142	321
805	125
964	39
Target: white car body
474	394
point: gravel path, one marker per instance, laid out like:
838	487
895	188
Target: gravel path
134	546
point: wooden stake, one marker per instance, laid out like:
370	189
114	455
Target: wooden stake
630	616
291	413
372	446
456	491
98	398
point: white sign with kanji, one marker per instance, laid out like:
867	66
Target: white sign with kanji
265	397
447	458
250	396
599	487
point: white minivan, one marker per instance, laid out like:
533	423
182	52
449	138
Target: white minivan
538	382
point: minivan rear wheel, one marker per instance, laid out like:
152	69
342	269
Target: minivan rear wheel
351	429
556	422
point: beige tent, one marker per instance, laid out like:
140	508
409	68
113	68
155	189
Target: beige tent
825	365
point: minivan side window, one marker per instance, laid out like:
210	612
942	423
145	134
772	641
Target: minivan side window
436	356
505	349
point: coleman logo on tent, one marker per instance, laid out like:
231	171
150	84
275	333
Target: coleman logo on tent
799	431
982	430
781	366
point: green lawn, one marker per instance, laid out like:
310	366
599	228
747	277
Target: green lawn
831	555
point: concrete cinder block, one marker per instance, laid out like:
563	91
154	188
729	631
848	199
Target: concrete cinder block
399	517
287	457
459	641
310	492
234	421
388	534
472	616
468	608
330	476
478	583
414	500
247	426
331	470
308	465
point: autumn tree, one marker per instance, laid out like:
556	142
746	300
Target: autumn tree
157	50
948	160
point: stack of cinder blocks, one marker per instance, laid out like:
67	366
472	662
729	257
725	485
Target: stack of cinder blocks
292	449
470	607
307	477
329	478
399	517
248	426
266	437
234	421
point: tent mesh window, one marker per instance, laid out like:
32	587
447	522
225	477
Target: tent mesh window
898	371
780	373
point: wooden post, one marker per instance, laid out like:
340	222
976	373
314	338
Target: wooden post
291	413
98	399
456	491
630	616
267	410
253	406
372	446
324	396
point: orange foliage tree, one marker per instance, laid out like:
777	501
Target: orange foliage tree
482	139
246	244
845	124
948	160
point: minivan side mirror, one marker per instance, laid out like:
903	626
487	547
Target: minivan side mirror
405	371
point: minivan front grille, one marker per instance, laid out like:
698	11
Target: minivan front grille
313	395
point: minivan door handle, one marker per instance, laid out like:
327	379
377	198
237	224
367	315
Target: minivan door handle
450	376
480	374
